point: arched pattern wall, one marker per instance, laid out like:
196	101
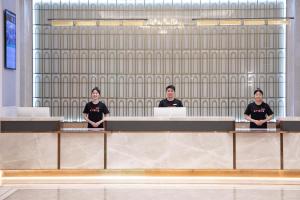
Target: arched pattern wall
215	69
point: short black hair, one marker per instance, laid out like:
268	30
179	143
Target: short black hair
97	89
170	86
258	90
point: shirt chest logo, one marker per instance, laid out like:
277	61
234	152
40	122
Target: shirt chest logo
259	110
95	109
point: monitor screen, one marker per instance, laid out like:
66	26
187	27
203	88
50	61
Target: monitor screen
170	112
10	39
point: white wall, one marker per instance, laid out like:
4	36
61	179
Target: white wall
296	56
16	85
9	77
25	93
290	65
293	59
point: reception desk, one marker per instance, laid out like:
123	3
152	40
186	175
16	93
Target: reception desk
176	124
135	143
29	142
291	141
170	143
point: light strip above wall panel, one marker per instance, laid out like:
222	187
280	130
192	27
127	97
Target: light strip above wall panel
243	21
199	22
85	23
100	22
62	23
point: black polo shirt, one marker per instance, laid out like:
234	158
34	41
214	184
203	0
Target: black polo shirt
95	112
258	112
166	103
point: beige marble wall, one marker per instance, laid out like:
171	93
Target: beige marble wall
28	150
169	150
82	150
258	151
291	150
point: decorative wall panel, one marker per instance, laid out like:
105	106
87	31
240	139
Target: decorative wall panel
215	69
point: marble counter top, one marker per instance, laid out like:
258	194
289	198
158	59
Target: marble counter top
295	118
101	130
30	119
82	130
257	130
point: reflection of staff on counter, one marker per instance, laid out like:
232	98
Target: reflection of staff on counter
258	112
170	100
94	110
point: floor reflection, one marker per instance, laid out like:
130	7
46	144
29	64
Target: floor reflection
151	192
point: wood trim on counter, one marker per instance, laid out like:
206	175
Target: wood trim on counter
154	172
105	151
281	151
234	149
58	149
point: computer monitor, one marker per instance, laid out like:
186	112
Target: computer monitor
170	112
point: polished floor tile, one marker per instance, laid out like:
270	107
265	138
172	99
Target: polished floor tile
150	192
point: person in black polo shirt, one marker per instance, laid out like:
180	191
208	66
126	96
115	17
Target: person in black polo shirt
258	112
94	110
170	101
